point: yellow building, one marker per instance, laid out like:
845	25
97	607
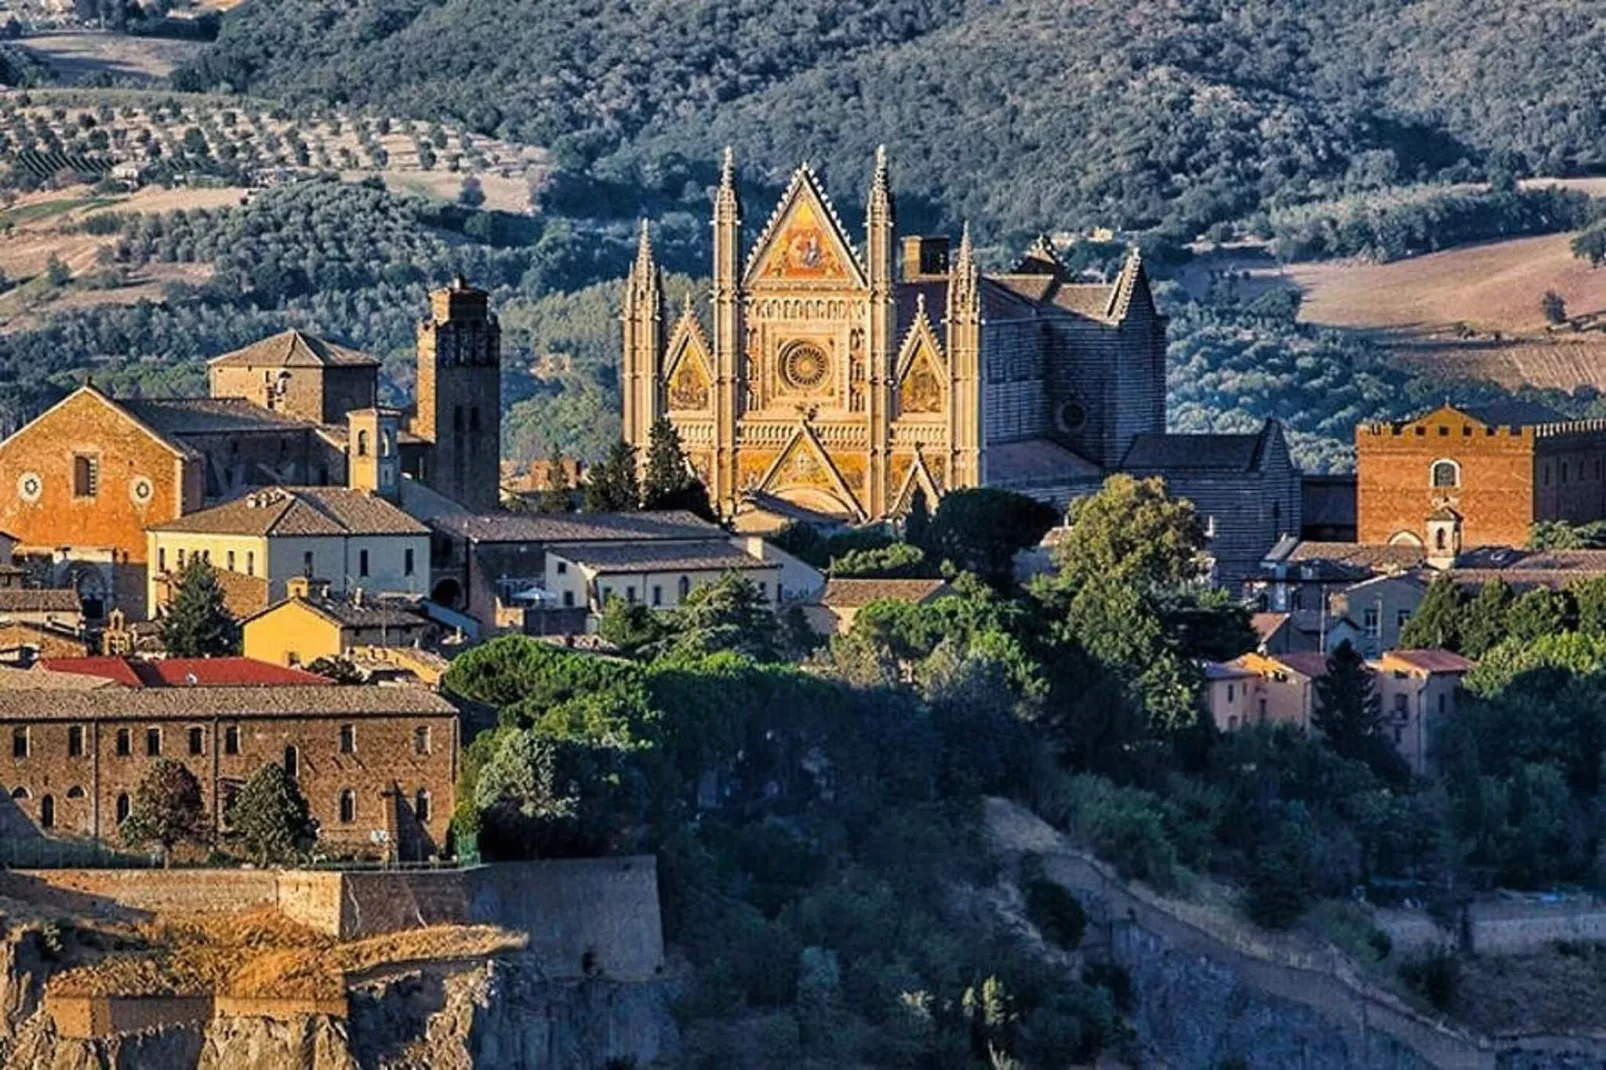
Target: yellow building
309	625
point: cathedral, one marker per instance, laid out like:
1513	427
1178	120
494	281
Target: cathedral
831	382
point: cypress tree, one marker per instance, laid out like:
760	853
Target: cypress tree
270	818
917	525
670	483
198	623
1437	622
613	487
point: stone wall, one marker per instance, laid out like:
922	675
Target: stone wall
103	1016
1500	928
147	891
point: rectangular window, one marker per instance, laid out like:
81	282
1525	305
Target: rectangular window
19	743
250	563
348	739
231	739
568	599
161	559
197	739
1402	618
1402	705
407	562
1232	692
657	595
306	563
630	593
85	475
563	568
153	742
181	557
362	562
230	561
75	741
1369	620
1441	703
125	743
421	740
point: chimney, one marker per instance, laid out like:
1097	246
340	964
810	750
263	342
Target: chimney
925	256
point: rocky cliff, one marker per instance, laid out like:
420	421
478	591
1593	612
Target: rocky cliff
495	1014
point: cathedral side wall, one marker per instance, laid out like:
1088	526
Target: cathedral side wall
1014	404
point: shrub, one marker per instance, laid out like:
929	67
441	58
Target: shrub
1056	913
1435	976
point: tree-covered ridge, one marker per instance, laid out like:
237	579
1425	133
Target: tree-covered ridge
1021	115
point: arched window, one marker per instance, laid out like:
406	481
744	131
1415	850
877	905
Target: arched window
75	792
292	762
1446	474
421	805
47	812
19	794
123	807
362	443
385	445
684	587
348	806
1440	540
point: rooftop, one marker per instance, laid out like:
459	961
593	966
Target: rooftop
203	416
847	593
708	555
185	672
370	613
1181	452
1372	556
183	703
294	349
39	600
299	511
1431	660
576	527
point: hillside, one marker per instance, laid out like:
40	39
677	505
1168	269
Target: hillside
1020	114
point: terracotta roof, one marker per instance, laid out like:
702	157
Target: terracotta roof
704	556
39	600
1366	555
203	416
1305	662
1217	670
1432	660
186	672
294	349
299	511
848	592
181	703
576	527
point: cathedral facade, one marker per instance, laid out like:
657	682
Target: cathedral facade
834	380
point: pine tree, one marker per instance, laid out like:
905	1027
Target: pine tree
1437	622
613	487
557	496
1483	621
270	819
1348	711
670	482
167	809
198	623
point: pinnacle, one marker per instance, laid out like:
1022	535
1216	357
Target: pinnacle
727	168
644	248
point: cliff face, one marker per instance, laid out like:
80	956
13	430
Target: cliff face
496	1014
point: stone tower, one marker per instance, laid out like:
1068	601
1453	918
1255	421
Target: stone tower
373	459
643	316
460	395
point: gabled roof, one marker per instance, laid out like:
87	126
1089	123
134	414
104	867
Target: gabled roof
1430	660
184	703
804	192
1361	555
200	416
121	409
299	511
39	600
186	672
344	613
1218	670
849	593
1225	453
576	527
712	555
294	349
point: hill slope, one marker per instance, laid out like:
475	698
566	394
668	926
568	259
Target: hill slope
1020	113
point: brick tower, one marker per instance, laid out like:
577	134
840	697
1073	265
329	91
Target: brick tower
460	395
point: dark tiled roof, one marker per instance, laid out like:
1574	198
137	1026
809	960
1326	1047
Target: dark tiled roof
1513	414
371	614
201	416
576	527
294	349
704	556
39	600
168	703
1305	662
287	511
847	592
1035	460
1173	453
1360	555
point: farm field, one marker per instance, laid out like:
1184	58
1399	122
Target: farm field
76	55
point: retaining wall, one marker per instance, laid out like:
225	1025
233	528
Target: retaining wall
1500	928
154	891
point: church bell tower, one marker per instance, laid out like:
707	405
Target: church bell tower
460	395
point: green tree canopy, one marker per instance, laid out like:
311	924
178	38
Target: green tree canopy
980	529
197	622
613	486
1483	620
167	809
670	483
1132	532
270	819
1437	621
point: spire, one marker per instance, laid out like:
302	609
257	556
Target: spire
727	169
1127	285
880	185
725	202
964	292
644	246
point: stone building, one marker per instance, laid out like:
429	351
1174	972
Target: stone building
81	483
1462	477
843	381
377	765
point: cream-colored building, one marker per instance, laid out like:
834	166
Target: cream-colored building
1417	690
1230	691
352	538
1284	688
843	597
658	575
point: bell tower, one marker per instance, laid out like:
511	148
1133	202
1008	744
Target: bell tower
460	395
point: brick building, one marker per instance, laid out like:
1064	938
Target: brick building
377	765
81	483
1470	476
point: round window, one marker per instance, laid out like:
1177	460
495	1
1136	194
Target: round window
140	490
29	486
1072	416
805	366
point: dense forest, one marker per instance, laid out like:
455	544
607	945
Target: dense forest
1018	115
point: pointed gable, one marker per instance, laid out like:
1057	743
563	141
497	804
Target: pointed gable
689	370
804	241
919	478
804	465
921	367
1131	293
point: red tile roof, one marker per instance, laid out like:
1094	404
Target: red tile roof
186	672
1432	660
